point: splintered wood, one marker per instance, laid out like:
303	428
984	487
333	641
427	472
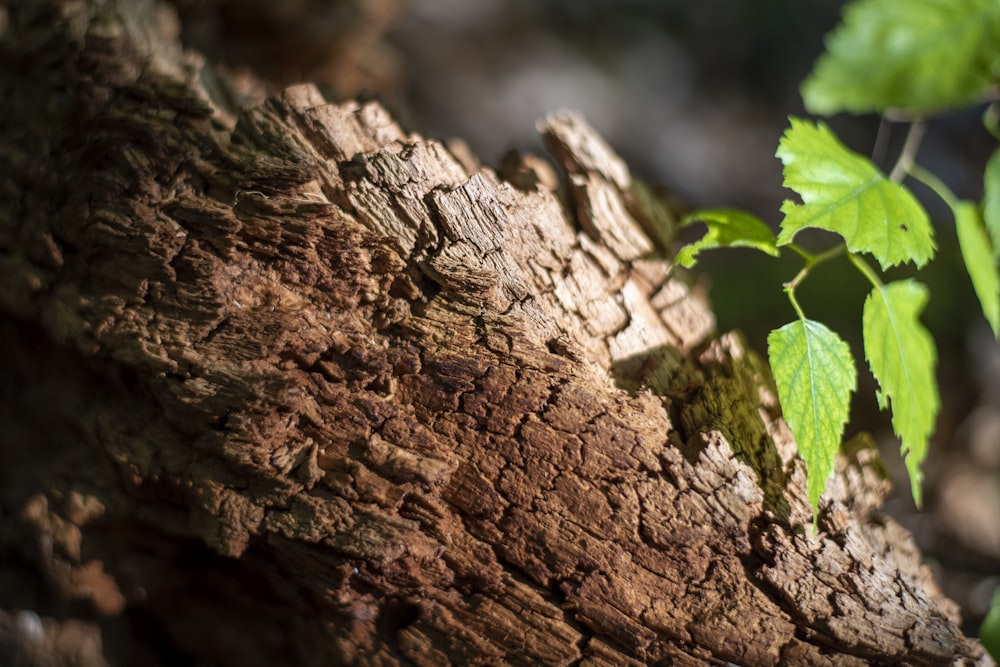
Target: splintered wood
418	414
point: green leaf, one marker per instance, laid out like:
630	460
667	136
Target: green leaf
989	631
726	228
845	193
917	55
979	261
902	358
991	199
815	375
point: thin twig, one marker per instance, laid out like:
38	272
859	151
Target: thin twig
909	153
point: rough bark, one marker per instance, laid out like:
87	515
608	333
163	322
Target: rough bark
291	386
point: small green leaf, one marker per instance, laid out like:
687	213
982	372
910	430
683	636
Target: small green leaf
815	375
845	193
989	631
979	260
991	200
917	55
726	228
902	357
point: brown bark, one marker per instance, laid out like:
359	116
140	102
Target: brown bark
295	387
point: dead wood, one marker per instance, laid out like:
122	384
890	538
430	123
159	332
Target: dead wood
288	385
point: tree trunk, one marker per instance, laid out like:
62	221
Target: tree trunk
291	386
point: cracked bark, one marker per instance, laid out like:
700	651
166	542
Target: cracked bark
288	385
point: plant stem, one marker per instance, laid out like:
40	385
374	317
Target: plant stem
934	183
866	270
809	257
811	261
906	164
790	292
909	152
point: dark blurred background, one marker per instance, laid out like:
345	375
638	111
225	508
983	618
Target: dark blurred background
695	97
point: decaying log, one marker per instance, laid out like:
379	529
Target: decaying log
291	386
